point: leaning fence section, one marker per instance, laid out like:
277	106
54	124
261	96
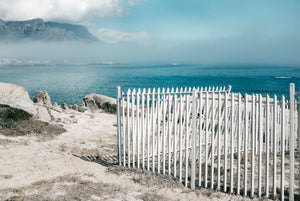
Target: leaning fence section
212	138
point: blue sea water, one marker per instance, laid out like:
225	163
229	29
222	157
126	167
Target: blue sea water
70	83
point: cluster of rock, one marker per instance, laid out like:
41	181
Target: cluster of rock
90	102
18	97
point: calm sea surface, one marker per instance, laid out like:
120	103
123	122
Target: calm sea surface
70	83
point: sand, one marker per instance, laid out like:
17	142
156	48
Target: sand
38	168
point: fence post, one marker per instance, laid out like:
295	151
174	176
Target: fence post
143	128
128	129
124	131
194	124
299	128
232	142
212	139
282	146
239	133
292	141
267	142
225	141
245	146
138	125
275	132
153	128
253	130
186	139
119	124
206	139
133	127
260	145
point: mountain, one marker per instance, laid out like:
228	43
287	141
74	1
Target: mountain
39	30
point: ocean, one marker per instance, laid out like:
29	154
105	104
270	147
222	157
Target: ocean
70	83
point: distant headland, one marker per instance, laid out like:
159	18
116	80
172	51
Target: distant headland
39	30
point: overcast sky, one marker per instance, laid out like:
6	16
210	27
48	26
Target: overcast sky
187	31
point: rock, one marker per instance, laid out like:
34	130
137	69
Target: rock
57	107
43	114
95	101
90	102
42	98
82	109
82	104
16	96
65	106
100	99
75	107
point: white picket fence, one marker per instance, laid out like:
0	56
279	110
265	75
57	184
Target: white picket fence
213	138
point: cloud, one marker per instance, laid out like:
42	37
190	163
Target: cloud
61	10
113	36
134	2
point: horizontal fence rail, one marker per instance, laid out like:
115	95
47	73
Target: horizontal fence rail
212	138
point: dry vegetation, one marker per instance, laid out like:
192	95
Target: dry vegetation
17	122
72	187
84	187
61	188
146	178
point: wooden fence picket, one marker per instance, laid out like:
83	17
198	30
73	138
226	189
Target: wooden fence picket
232	143
225	141
253	135
143	128
267	146
245	145
148	130
206	139
186	140
274	146
181	137
282	145
138	126
128	129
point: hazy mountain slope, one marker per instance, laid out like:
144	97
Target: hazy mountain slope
37	29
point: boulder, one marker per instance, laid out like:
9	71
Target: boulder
16	96
95	101
42	98
90	102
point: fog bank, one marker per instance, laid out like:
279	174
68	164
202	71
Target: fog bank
240	50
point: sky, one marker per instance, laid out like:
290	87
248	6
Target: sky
176	31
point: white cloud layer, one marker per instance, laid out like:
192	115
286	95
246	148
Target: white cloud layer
61	10
109	35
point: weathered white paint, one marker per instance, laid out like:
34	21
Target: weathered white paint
186	129
246	146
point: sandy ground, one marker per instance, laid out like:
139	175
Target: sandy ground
38	168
